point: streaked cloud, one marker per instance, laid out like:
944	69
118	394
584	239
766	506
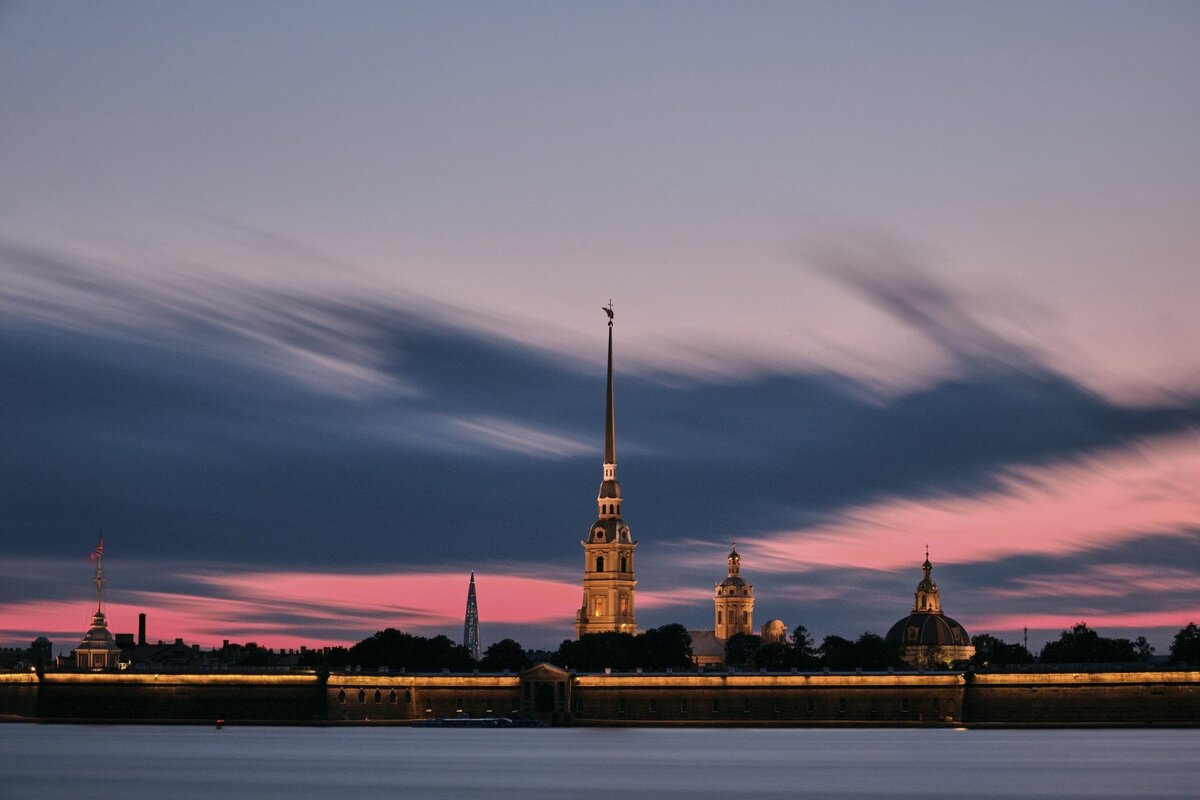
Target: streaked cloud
1107	498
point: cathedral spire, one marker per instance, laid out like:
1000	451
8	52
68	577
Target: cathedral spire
610	433
608	574
609	499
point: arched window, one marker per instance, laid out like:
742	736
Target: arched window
745	616
408	695
392	696
342	696
624	565
599	563
718	617
362	696
378	696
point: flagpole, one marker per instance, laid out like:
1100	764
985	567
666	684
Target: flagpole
100	574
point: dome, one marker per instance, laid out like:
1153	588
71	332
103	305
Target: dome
98	637
610	529
926	629
733	580
610	490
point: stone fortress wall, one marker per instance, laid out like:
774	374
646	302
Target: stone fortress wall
558	697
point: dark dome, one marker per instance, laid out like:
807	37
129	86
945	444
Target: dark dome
612	528
610	490
733	580
922	630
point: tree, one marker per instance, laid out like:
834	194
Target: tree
1185	648
1082	645
804	654
872	651
504	654
1142	649
837	653
993	652
774	656
594	652
665	647
741	649
397	650
869	651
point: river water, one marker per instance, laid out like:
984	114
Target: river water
112	762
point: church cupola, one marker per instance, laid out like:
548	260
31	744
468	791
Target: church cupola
608	575
927	637
926	598
733	601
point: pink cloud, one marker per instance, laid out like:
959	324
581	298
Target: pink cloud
289	609
667	598
1112	497
1105	580
1141	621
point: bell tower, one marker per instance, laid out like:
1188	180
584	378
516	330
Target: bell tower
608	578
927	597
733	601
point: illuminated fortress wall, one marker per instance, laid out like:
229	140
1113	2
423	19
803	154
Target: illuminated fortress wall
758	699
1085	698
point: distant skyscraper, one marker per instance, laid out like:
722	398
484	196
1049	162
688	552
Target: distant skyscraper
471	623
608	578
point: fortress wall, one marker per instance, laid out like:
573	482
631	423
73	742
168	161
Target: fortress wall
767	699
1113	698
1083	698
207	697
18	695
376	698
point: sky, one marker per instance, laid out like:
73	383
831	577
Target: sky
300	308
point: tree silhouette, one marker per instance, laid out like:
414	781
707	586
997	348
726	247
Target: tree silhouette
504	654
1185	648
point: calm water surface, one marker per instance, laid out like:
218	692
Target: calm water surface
182	763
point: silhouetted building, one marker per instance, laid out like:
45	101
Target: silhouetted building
929	637
471	622
608	575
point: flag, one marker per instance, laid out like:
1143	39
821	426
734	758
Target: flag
99	551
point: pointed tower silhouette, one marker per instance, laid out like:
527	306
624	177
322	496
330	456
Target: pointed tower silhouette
608	577
471	622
